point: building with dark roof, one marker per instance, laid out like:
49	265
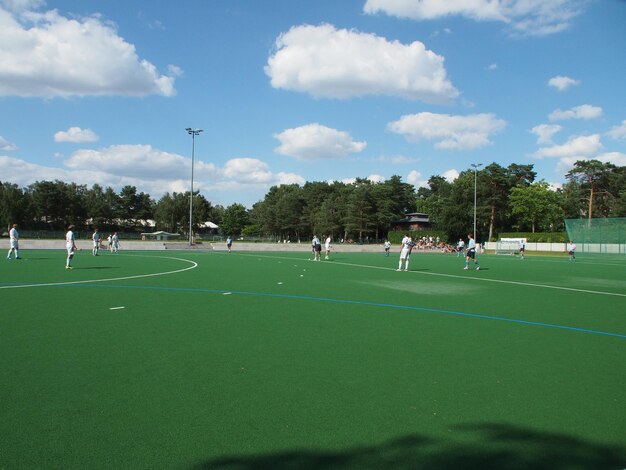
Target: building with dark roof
412	222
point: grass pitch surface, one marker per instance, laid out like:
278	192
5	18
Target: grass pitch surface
270	360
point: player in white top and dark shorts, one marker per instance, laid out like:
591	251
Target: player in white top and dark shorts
471	253
571	248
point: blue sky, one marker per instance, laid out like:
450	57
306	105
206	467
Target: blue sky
289	91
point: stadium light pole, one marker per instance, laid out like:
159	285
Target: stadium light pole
193	133
475	166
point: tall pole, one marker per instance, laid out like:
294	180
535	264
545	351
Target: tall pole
194	133
475	166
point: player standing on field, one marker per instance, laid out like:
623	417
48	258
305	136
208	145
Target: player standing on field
471	253
14	240
115	243
96	242
387	246
70	246
328	246
316	246
405	254
571	248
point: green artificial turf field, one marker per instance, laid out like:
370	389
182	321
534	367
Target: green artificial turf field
269	360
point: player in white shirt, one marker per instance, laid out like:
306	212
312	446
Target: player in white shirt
471	253
387	246
316	246
405	253
70	246
14	240
115	243
522	248
96	242
327	246
459	247
571	248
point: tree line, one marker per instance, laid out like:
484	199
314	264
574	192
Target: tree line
507	199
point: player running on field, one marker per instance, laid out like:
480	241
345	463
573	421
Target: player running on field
471	253
571	248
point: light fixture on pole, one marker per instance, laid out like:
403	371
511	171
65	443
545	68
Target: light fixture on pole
193	133
475	166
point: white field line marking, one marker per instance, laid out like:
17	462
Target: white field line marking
193	266
116	308
484	279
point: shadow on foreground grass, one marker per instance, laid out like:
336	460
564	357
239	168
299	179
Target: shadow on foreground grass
491	447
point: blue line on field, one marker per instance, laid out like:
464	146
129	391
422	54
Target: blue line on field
359	302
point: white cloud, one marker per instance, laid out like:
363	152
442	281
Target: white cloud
581	147
616	158
545	132
492	67
618	132
525	17
450	175
152	171
6	146
249	170
416	179
314	141
376	178
449	132
562	83
76	135
340	63
45	54
585	111
565	164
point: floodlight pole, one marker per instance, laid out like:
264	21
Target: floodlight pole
193	133
475	166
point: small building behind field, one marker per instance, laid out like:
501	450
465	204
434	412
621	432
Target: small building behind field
413	222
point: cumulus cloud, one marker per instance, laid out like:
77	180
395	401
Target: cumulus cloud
616	158
152	171
45	54
562	83
76	135
523	17
314	141
618	132
545	132
450	175
565	164
416	179
449	132
585	111
339	63
6	146
578	147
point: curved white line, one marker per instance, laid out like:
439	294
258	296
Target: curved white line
193	263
